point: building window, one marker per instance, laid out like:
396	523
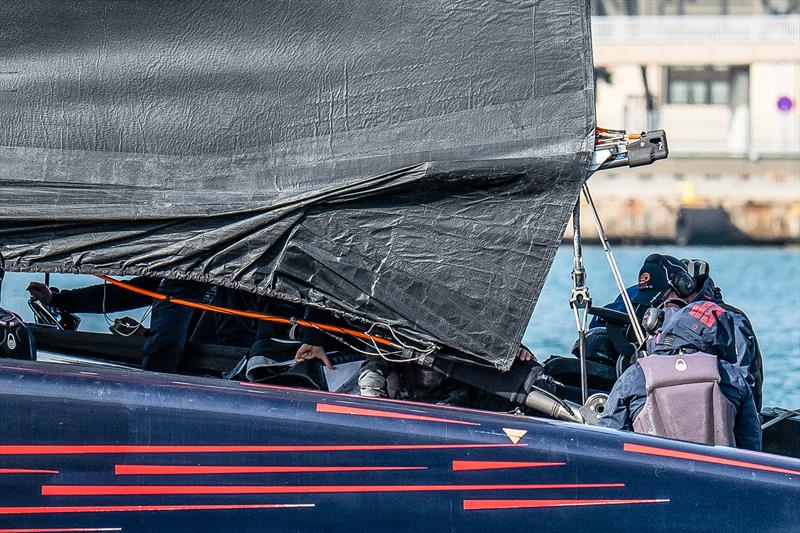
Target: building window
699	85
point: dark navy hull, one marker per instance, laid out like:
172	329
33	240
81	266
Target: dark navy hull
95	449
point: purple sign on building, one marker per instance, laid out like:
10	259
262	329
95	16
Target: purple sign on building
785	104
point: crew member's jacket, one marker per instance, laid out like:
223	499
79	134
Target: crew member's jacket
748	353
700	327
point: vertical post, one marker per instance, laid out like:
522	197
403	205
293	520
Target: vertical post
580	301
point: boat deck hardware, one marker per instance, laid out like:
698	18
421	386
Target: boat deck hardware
580	300
628	150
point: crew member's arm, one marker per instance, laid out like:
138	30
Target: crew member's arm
314	341
91	299
747	426
625	400
748	358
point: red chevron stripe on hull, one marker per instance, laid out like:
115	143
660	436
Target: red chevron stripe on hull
492	465
142	490
122	470
675	454
477	505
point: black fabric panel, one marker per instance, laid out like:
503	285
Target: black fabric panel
411	163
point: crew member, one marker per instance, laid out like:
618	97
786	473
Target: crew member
169	325
664	277
689	387
289	355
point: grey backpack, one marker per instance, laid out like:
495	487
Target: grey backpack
684	400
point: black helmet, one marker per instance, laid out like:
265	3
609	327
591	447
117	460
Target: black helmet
660	275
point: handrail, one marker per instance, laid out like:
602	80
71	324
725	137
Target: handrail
738	29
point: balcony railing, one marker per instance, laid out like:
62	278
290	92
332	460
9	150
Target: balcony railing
738	29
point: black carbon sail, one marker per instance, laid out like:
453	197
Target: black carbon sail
406	163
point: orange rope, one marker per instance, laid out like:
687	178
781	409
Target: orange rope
604	133
248	314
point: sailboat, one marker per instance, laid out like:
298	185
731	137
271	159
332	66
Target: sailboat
406	167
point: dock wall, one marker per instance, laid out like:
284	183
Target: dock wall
762	198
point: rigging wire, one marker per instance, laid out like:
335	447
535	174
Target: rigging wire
386	355
379	352
608	136
637	327
580	301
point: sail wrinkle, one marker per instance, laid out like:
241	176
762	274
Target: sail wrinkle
410	163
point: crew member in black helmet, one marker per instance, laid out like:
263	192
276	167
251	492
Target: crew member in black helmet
663	278
688	388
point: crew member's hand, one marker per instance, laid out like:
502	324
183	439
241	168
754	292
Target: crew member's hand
525	354
40	291
307	352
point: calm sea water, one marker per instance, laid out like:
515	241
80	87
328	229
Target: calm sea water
764	282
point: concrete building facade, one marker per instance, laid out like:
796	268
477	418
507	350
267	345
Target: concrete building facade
722	77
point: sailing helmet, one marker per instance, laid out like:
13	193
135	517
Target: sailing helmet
660	275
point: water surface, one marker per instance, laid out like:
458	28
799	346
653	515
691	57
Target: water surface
762	282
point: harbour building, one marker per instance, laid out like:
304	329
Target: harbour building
722	77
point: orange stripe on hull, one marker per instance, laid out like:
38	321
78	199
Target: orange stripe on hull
145	508
61	530
26	471
476	505
142	490
122	470
492	465
344	410
675	454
